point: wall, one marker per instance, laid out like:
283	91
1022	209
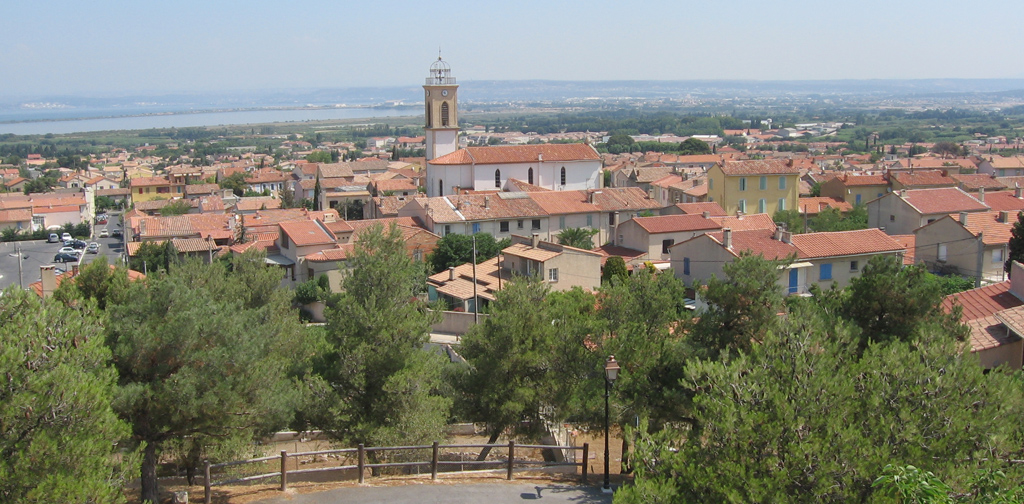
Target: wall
1009	354
836	189
961	248
575	269
457	323
726	191
895	215
841	272
637	238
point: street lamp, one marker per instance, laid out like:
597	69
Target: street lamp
611	372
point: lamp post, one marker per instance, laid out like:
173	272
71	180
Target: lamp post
611	372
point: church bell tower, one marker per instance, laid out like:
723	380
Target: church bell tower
442	111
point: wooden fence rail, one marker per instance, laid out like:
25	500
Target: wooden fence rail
361	465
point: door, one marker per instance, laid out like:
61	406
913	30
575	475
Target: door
794	280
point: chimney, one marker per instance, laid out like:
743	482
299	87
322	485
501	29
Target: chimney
535	240
487	202
706	214
981	195
1017	190
74	270
49	280
727	237
963	218
945	173
451	273
1004	216
778	233
590	197
903	193
787	237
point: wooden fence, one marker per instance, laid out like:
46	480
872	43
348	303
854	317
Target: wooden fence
362	465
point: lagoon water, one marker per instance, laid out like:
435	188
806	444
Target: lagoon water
186	119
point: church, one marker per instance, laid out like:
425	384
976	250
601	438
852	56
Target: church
451	170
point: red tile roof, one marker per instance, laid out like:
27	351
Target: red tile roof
518	154
982	302
864	180
815	205
711	207
676	223
942	200
1004	200
908	242
758	242
304	233
975	181
746	222
924	178
760	167
845	243
994	232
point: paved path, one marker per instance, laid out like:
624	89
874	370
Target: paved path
489	493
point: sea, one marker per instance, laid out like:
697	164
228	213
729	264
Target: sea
63	122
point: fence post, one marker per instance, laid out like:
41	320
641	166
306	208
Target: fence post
586	460
433	463
206	481
284	470
511	458
362	462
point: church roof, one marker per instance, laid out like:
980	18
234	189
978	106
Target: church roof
500	154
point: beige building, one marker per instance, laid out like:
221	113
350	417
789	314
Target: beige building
900	213
973	245
995	315
655	235
855	189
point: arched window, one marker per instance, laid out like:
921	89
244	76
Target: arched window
563	175
497	178
444	114
429	125
440	187
529	176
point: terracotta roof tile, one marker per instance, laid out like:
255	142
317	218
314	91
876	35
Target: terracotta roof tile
845	243
518	154
942	200
908	242
758	242
760	167
924	178
304	233
746	222
864	180
712	207
1004	200
989	332
676	223
994	232
982	302
815	205
975	181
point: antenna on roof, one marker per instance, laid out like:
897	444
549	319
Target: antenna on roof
438	53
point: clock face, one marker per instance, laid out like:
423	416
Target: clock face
444	92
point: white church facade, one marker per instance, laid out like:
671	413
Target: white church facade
450	170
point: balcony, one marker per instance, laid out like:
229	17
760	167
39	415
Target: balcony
440	81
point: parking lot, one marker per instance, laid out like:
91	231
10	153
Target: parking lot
37	253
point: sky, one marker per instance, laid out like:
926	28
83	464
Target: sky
115	47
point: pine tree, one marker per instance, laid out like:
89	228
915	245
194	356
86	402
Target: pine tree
1016	244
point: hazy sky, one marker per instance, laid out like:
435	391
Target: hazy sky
122	47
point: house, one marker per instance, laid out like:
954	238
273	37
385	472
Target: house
560	267
19	219
267	180
1001	166
297	240
815	205
16	184
975	182
50	280
560	167
855	189
921	179
993	314
655	235
712	208
754	186
218	227
813	258
973	245
151	188
904	211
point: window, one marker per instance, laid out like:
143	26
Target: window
761	205
561	222
825	272
417	255
665	244
997	256
529	176
743	183
497	178
892	218
476	227
857	200
447	229
854	266
590	220
611	218
519	224
535	224
686	265
782	183
503	226
440	187
552	274
444	114
563	175
743	205
763	183
782	204
711	183
284	242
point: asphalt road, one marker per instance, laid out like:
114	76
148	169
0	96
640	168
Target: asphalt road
36	253
490	493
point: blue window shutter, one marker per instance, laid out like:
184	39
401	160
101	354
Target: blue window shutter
686	265
476	227
826	271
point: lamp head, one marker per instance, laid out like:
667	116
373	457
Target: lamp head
611	369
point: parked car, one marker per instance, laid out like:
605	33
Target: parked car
78	244
104	233
65	258
68	250
93	248
116	233
54	238
65	236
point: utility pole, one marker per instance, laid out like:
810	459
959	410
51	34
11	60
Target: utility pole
21	277
476	299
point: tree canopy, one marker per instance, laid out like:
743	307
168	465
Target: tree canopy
577	237
456	249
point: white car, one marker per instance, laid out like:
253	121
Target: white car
93	248
65	237
104	233
69	250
